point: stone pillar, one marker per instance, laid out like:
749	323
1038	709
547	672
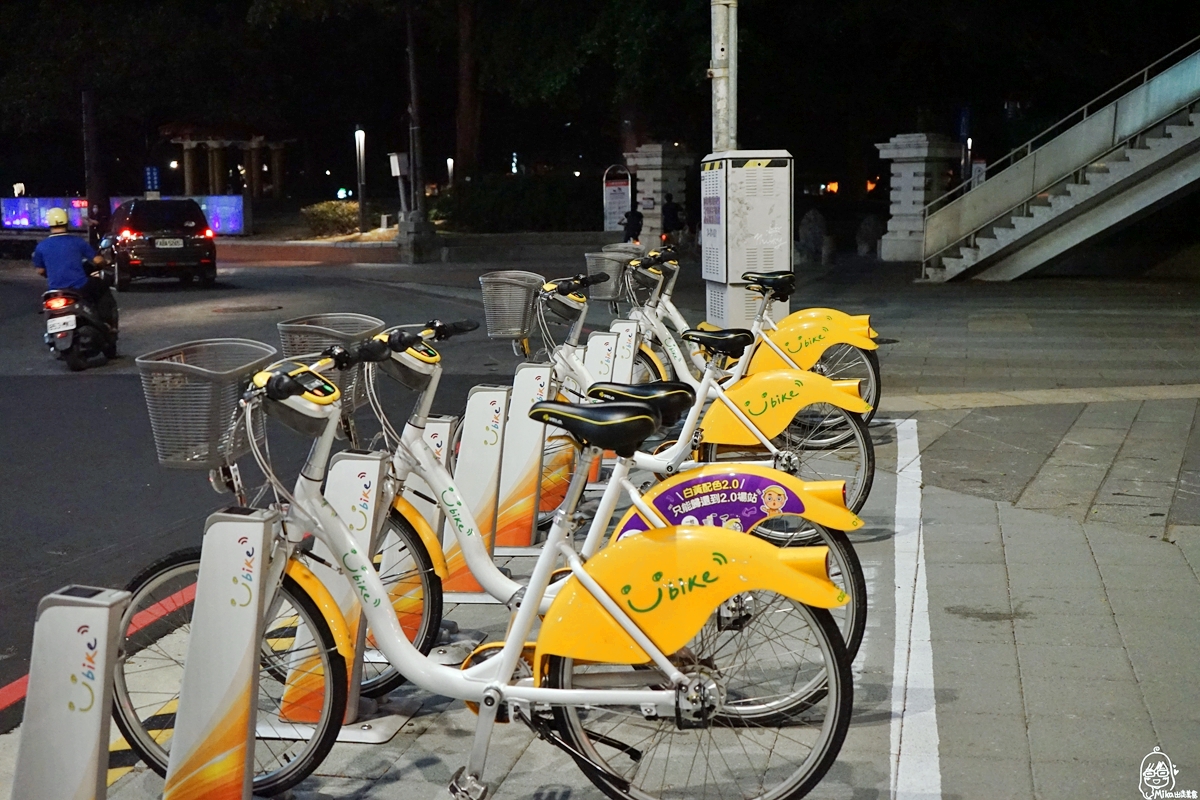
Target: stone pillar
921	170
277	171
189	168
216	152
211	173
661	170
255	167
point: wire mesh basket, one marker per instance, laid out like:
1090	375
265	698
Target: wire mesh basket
611	264
192	392
634	250
316	332
508	298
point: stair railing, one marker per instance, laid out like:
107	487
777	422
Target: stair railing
1121	135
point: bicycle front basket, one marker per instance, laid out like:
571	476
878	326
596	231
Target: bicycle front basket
316	332
611	264
192	392
508	298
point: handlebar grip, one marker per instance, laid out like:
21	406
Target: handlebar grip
399	341
281	386
592	280
373	350
444	330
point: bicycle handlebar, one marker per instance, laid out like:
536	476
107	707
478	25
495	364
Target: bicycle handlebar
565	286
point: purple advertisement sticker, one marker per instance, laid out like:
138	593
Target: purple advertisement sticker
735	501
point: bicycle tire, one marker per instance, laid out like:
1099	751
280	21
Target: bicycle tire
162	589
621	747
845	569
645	370
844	452
379	677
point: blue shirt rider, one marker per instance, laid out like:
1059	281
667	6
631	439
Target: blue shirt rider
60	259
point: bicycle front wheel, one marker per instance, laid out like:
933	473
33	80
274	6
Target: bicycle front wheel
786	693
150	663
406	570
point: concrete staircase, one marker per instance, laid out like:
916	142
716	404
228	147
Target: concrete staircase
1118	161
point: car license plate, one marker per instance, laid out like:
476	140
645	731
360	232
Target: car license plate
60	324
168	242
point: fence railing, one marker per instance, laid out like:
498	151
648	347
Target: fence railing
1092	131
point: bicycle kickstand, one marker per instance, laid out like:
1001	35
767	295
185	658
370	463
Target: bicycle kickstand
467	783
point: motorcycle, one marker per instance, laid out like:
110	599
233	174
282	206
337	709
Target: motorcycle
76	332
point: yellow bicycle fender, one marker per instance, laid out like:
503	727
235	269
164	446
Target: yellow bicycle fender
654	359
859	324
670	581
771	400
428	537
328	606
740	497
804	344
707	326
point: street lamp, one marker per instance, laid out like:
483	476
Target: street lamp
360	151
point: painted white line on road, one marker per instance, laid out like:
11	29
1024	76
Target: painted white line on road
915	768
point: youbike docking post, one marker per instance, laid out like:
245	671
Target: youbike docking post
212	750
481	443
627	346
354	486
64	733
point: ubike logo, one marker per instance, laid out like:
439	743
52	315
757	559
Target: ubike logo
86	676
357	576
607	360
362	505
491	433
438	444
454	509
675	587
626	341
769	401
244	580
805	341
540	382
1157	778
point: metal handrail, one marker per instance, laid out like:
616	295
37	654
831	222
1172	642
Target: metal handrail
1027	148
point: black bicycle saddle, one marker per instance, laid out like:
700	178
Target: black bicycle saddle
670	398
729	341
621	427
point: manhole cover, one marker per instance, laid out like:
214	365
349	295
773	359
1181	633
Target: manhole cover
244	309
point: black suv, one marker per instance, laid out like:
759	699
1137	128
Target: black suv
161	239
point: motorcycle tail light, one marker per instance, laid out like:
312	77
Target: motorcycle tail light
55	303
208	233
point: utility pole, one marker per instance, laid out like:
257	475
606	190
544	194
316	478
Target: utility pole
93	176
722	71
414	115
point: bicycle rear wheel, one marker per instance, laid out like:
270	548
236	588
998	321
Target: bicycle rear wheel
845	361
828	443
149	673
845	570
788	694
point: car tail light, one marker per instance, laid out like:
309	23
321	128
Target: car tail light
126	235
135	261
208	233
55	303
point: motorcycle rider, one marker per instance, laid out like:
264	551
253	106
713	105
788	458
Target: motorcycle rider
60	259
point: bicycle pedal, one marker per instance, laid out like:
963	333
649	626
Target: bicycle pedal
467	787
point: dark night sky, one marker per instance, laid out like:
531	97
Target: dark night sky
822	80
